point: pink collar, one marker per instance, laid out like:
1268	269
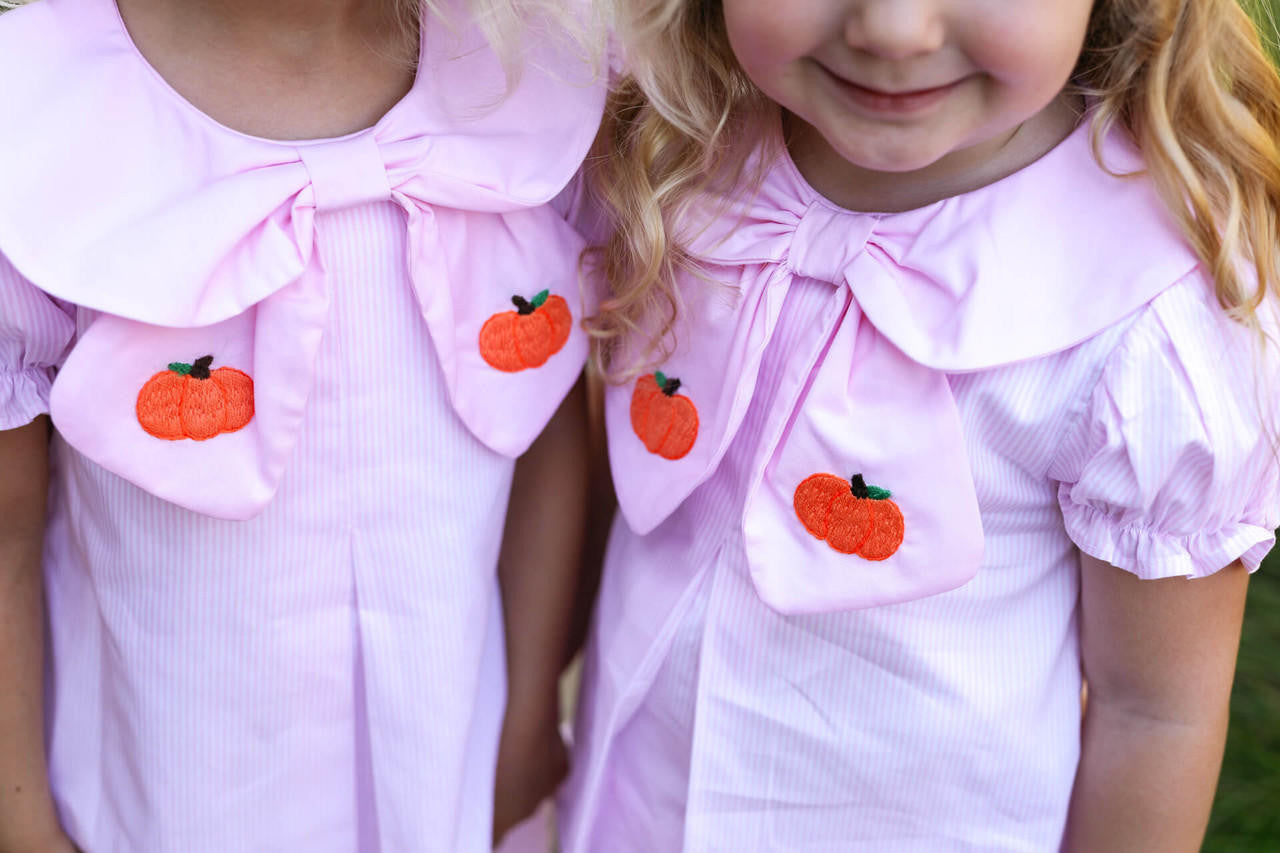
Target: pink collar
121	197
1027	266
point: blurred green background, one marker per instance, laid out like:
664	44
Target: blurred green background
1246	813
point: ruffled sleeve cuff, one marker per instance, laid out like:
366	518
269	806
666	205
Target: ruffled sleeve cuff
1152	554
34	333
1170	470
24	395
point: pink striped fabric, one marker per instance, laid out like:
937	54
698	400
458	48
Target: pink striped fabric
309	679
710	722
287	635
34	333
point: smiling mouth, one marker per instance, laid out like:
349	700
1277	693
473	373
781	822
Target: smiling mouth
893	103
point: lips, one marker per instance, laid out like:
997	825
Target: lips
893	103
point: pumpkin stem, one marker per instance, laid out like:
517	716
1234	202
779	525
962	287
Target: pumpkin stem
523	305
669	386
860	489
858	486
541	298
200	369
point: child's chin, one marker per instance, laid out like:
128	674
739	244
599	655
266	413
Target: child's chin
890	158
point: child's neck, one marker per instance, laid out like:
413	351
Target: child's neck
285	69
961	171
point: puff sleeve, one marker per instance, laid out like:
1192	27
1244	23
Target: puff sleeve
1172	467
34	333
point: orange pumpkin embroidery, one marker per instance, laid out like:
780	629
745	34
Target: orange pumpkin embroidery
665	421
850	516
516	340
192	401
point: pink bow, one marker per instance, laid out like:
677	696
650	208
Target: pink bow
193	239
969	283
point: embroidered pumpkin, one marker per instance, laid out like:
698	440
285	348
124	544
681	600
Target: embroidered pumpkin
515	340
192	401
852	517
665	421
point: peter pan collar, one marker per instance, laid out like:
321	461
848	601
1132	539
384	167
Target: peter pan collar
1027	266
120	197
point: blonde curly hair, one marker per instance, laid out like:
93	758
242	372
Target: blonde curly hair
505	23
1188	80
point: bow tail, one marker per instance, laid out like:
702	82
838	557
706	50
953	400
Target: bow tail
505	378
202	417
661	451
871	417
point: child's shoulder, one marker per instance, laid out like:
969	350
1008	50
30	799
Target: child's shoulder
1178	357
1168	466
43	34
25	13
1183	358
52	53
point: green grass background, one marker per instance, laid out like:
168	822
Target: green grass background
1246	813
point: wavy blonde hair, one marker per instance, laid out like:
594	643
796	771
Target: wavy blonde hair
1188	80
505	23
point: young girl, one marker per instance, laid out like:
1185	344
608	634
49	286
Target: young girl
271	258
892	481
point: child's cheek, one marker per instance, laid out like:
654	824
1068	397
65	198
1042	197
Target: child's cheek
1030	45
766	35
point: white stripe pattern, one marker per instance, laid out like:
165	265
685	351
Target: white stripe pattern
327	676
951	723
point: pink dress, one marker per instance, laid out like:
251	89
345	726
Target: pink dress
1033	369
274	613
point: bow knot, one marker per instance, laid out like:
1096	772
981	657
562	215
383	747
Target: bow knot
1016	270
210	243
346	172
826	240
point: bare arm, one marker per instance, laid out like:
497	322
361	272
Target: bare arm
538	571
1159	657
27	818
602	505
